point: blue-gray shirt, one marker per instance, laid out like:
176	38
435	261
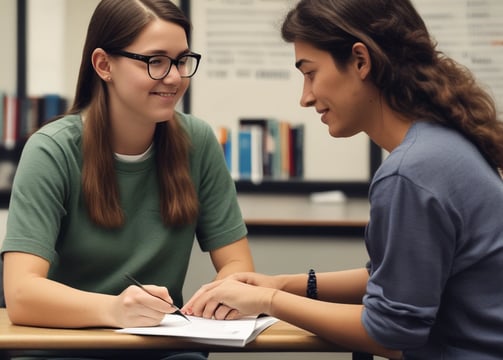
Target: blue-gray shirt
435	240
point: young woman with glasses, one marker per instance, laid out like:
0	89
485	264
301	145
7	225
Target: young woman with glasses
432	288
122	183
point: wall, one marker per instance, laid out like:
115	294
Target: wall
58	25
8	42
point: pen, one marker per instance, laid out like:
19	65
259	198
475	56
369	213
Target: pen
137	283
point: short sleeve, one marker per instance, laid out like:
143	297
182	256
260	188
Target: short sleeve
220	220
37	199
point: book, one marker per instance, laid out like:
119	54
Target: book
284	133
224	135
52	105
2	114
257	156
262	150
244	153
11	121
236	333
297	151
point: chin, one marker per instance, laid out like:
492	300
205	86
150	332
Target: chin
165	116
336	133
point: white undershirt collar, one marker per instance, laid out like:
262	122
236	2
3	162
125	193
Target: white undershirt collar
135	158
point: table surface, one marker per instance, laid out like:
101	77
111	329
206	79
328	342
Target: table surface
280	337
299	210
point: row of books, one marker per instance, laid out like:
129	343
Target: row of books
20	117
268	148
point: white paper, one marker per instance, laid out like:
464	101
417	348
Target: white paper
209	331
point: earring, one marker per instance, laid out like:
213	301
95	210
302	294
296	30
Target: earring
108	78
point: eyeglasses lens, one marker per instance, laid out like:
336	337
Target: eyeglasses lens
159	66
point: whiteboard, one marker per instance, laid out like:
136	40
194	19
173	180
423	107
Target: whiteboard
471	32
248	71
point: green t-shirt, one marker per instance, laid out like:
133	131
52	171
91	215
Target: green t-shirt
47	214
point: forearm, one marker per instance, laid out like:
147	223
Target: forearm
232	258
338	323
342	286
347	287
42	302
233	267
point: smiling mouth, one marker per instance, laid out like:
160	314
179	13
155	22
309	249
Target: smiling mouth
165	94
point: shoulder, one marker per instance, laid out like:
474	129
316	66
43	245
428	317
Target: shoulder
62	136
430	157
63	130
427	148
201	134
194	125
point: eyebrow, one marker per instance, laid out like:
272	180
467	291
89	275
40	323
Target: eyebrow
164	52
301	62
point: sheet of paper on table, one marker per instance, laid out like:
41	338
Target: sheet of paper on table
235	333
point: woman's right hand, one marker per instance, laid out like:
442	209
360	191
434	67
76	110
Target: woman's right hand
134	307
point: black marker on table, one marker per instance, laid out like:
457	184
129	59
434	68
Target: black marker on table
137	283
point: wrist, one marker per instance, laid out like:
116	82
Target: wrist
270	306
312	286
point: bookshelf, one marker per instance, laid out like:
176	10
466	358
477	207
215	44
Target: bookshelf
245	86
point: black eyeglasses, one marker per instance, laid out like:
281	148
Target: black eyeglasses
158	66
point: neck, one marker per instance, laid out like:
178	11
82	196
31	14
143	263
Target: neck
389	128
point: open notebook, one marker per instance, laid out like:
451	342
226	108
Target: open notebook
235	333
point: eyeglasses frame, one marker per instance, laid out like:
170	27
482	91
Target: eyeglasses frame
146	60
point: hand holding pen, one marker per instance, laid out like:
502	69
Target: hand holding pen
140	285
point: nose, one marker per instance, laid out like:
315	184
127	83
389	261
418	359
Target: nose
173	75
307	99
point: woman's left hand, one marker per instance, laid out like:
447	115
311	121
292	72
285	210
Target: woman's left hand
229	299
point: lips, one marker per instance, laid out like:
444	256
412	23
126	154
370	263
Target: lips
164	94
322	112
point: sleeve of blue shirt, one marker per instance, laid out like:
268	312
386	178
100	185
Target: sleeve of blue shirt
411	247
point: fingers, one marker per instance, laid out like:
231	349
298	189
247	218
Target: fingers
146	307
223	312
188	307
204	303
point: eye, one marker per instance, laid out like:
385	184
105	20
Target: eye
183	60
155	61
309	74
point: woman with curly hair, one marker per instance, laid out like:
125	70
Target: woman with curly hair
432	288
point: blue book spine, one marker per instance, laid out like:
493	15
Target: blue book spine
54	105
245	153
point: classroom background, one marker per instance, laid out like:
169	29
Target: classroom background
254	78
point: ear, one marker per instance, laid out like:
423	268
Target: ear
362	61
101	64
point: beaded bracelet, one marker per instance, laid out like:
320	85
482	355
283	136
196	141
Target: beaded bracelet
312	288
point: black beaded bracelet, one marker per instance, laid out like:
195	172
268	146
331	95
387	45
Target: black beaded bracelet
312	288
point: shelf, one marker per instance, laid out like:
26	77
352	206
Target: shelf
294	214
358	189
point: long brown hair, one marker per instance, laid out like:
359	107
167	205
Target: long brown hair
414	77
114	25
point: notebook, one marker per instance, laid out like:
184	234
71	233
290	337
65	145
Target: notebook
236	333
